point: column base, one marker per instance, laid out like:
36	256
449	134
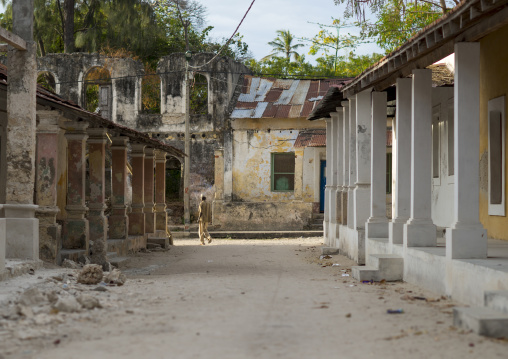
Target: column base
118	227
161	220
466	242
396	230
361	205
50	234
420	233
21	231
75	234
376	228
136	223
98	235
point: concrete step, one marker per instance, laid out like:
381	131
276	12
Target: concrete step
316	226
483	321
320	216
497	300
162	242
389	267
111	255
71	254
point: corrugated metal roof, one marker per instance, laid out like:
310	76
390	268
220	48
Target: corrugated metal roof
263	97
311	138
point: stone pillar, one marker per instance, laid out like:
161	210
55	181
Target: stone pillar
363	134
420	231
21	226
466	238
97	139
377	224
46	163
219	183
149	183
352	162
75	229
328	175
118	220
332	180
161	216
402	159
137	216
339	166
345	162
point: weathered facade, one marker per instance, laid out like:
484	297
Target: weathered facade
449	164
266	123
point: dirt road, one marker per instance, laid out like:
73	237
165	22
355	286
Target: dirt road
244	299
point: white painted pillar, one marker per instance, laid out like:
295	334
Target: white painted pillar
332	226
420	231
326	220
363	135
352	162
466	238
377	224
345	161
402	160
340	167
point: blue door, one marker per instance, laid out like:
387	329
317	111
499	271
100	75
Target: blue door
322	184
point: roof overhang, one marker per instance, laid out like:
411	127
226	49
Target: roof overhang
467	22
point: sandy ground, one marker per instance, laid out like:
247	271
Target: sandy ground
240	299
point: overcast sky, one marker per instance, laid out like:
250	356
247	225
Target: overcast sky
268	16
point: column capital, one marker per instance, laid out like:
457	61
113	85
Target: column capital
160	156
75	130
97	135
48	121
138	149
149	153
119	142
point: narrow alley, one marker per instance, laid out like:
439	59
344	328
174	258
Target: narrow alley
275	298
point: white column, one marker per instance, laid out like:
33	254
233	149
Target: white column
328	175
363	134
352	162
466	238
345	161
332	180
377	224
419	231
402	159
340	167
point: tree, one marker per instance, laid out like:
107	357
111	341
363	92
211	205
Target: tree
397	22
331	41
283	43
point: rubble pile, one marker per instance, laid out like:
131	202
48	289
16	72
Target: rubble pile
37	311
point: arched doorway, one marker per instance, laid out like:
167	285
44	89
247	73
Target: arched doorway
174	190
97	92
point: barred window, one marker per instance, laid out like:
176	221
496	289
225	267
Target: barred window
283	172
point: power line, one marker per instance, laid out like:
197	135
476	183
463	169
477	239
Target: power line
227	42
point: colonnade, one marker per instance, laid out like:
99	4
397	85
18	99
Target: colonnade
355	193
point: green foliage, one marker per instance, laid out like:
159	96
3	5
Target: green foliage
398	21
199	95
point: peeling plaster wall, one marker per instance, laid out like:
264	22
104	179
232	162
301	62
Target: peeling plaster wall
253	206
493	83
3	138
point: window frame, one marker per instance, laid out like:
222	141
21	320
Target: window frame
273	173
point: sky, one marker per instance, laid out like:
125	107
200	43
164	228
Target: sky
268	16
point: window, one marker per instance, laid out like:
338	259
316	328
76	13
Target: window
283	172
436	139
497	138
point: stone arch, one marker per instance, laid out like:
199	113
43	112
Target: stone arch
49	81
97	91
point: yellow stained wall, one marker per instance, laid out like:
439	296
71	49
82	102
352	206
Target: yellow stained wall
493	83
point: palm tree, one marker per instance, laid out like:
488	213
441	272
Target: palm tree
283	43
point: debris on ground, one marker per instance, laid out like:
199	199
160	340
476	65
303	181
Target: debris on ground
115	277
395	311
67	263
90	274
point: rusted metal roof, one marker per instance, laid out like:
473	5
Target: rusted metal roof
263	97
311	138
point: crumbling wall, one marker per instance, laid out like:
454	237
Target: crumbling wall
70	70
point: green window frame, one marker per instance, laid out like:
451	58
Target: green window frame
283	172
